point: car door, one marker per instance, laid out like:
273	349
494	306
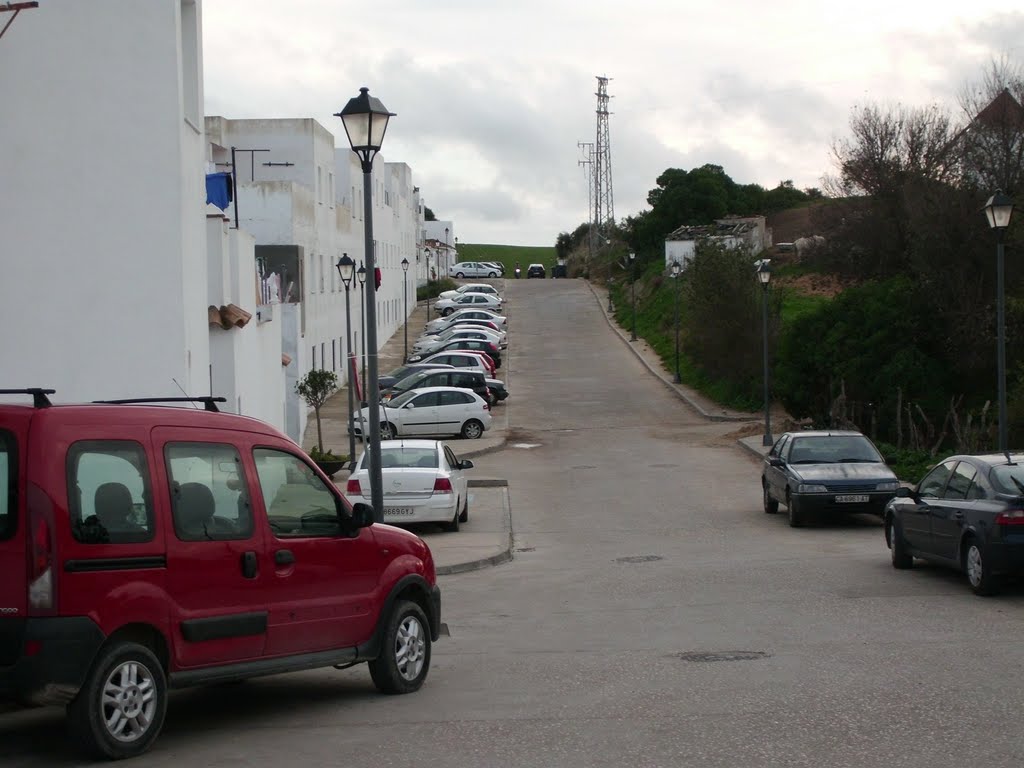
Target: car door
949	512
322	576
916	515
454	408
776	476
420	415
460	483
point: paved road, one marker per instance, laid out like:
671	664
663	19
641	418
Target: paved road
642	549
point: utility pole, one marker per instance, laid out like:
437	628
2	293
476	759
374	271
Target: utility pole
588	164
603	200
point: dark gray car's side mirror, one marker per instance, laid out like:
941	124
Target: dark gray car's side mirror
775	461
904	493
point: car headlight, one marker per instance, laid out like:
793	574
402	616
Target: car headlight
888	485
809	488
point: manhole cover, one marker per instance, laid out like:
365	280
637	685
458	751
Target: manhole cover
526	445
638	559
722	655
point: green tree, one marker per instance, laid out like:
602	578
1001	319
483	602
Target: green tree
315	387
428	215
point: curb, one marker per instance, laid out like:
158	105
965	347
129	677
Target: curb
503	556
664	379
484	451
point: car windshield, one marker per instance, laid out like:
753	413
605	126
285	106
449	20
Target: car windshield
402	399
1009	478
833	449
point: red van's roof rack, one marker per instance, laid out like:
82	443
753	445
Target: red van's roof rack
39	395
209	403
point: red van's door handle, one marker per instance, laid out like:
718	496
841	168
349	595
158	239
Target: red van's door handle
284	557
250	566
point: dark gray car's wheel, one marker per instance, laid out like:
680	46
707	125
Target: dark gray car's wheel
796	515
472	429
120	709
387	431
901	558
978	570
771	506
464	517
404	658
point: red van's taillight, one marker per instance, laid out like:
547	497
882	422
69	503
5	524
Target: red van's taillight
442	485
1010	517
40	582
352	487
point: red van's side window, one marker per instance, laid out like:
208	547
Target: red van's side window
8	484
296	499
109	496
208	493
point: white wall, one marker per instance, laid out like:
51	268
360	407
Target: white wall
102	224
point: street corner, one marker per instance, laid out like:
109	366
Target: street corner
484	540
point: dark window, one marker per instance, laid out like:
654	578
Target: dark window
109	495
297	501
933	483
780	445
960	481
450	456
8	484
209	495
426	400
455	398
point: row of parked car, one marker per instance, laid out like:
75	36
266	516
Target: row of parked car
447	386
967	512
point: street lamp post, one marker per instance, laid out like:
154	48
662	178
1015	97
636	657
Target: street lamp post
447	255
405	305
366	120
346	270
675	276
998	209
361	274
426	253
632	291
764	276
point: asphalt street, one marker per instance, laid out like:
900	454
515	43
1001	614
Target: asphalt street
652	614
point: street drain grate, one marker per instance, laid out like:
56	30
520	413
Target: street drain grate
639	559
722	655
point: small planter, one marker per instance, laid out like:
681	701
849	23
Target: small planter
331	466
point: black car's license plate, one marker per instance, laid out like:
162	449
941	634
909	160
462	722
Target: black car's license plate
852	499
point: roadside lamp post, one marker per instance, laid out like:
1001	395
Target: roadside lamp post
632	291
447	255
675	276
998	209
361	274
346	271
366	120
611	282
764	276
405	304
426	253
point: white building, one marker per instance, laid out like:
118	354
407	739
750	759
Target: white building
732	232
439	237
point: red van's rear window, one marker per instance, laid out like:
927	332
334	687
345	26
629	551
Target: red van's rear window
8	484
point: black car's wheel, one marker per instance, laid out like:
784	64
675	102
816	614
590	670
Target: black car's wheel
796	515
460	275
119	711
901	558
771	506
472	429
452	526
979	572
388	431
405	651
464	517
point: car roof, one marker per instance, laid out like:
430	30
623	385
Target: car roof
404	442
536	265
825	433
421	390
992	459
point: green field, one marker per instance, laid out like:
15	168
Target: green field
508	255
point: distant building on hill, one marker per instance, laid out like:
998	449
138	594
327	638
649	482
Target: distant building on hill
749	232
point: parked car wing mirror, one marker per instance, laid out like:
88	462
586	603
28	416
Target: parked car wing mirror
775	461
465	464
904	493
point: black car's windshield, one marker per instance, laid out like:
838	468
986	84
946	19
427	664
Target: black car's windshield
833	449
411	381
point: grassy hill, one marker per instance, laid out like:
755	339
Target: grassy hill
508	254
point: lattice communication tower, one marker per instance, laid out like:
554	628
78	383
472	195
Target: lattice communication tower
603	199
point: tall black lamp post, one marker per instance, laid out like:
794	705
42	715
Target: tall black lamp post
426	254
361	274
346	271
764	276
366	119
998	209
405	305
632	291
675	276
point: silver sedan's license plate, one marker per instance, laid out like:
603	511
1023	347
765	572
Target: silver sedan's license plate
398	511
852	499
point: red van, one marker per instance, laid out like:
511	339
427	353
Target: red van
146	547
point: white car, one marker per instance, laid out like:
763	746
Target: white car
469	288
429	411
430	335
481	313
460	359
445	307
424	482
432	342
473	269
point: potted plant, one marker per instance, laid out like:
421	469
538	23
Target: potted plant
315	387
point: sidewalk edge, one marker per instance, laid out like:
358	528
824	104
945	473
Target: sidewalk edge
486	562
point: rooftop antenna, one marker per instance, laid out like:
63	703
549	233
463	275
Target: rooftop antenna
16	8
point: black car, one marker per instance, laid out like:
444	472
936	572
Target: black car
476	345
498	390
445	377
967	513
393	377
535	270
825	472
559	270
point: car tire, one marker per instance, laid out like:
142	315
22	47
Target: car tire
452	526
901	558
472	430
492	274
796	515
771	506
388	431
446	311
979	573
125	691
464	516
460	275
404	658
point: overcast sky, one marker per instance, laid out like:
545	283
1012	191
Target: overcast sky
493	98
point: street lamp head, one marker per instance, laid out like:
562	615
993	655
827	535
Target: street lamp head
365	119
998	209
675	269
405	265
346	268
361	273
632	256
764	271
